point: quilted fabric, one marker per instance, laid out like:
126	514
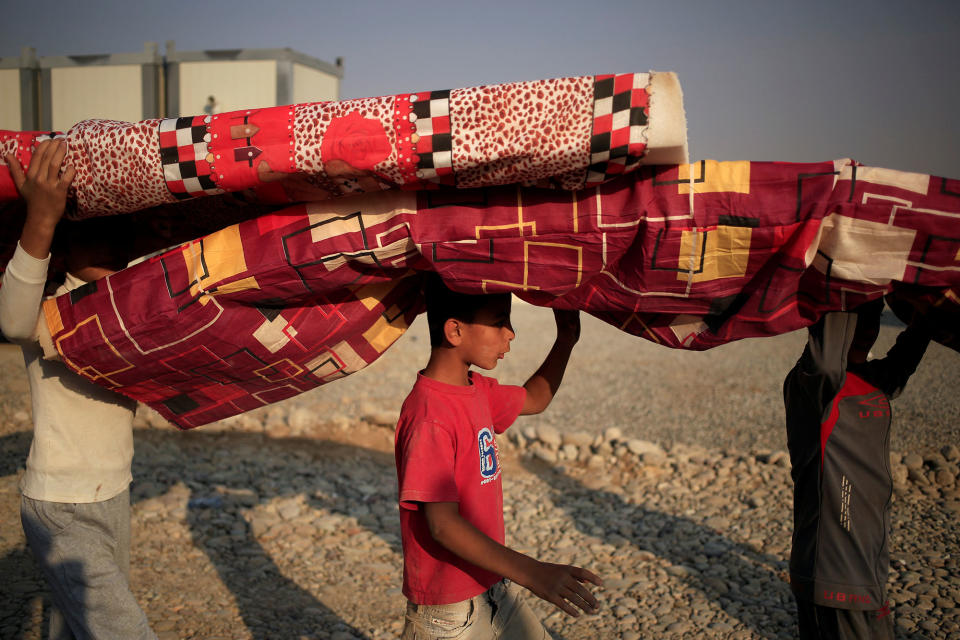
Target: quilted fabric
310	226
566	132
688	256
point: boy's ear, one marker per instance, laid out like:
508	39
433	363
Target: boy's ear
452	331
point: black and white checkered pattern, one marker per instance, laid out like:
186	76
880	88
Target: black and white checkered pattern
434	147
183	152
619	123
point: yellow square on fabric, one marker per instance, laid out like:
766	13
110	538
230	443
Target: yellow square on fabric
384	333
51	313
725	255
219	257
244	284
370	295
717	177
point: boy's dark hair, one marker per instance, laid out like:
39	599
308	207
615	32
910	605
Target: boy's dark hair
443	304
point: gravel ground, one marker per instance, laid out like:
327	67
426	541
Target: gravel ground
662	471
729	396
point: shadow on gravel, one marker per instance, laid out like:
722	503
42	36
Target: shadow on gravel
20	580
267	600
13	452
760	578
260	469
22	585
254	470
760	591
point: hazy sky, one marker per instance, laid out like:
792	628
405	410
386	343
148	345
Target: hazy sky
878	81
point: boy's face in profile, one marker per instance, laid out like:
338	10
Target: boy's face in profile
486	339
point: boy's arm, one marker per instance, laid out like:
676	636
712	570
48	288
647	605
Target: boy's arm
45	192
890	374
559	584
543	385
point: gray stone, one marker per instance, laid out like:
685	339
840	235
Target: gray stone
549	436
383	418
638	446
301	419
717	584
945	479
681	571
578	439
900	474
612	434
917	476
542	453
718	522
779	459
653	458
596	462
913	461
289	510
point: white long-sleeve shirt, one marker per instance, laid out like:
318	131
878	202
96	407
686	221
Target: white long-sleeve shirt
82	433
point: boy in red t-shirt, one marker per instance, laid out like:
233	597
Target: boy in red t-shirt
457	573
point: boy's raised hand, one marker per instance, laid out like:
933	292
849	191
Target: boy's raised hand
562	585
44	188
543	384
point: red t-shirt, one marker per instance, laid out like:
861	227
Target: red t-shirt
446	452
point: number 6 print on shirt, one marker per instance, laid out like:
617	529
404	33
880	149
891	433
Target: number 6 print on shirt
489	465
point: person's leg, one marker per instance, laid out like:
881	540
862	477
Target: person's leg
78	549
513	619
829	623
839	559
41	521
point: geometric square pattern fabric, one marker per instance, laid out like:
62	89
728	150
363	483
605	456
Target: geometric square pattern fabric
688	256
536	188
844	240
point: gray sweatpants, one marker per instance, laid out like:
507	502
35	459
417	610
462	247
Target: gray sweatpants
83	550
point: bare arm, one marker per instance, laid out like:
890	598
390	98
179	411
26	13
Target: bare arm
543	384
561	585
45	190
